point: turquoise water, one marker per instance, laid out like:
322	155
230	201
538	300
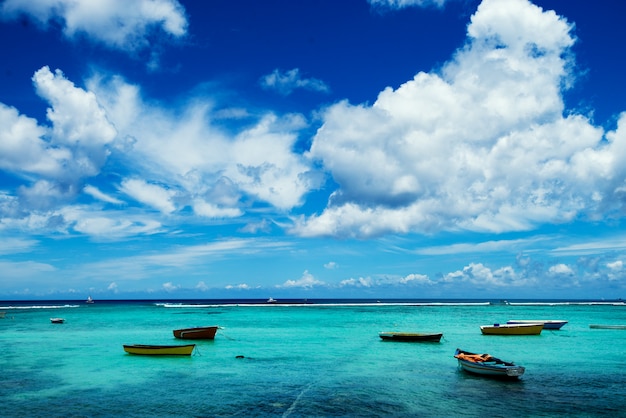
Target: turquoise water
322	360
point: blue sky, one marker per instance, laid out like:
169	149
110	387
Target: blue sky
245	149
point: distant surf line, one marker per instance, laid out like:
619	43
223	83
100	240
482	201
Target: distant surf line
318	305
39	307
373	304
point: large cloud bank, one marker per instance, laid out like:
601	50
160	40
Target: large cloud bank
484	144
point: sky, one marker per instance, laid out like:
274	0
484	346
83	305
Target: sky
312	149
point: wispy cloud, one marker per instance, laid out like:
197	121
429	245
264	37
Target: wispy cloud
483	247
400	4
152	195
10	245
285	82
97	194
138	267
592	246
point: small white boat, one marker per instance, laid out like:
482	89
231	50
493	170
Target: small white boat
271	300
547	323
487	365
57	320
89	300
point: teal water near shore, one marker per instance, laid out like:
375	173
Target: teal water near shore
321	359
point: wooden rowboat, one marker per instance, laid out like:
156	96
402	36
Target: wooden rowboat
487	365
197	333
511	329
410	337
160	350
547	323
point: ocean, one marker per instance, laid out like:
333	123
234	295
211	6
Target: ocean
313	358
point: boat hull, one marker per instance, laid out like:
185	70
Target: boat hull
410	337
511	329
197	333
57	320
492	368
547	323
160	350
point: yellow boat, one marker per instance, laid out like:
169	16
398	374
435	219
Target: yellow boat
511	329
160	350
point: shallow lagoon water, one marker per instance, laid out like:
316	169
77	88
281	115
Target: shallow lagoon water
321	359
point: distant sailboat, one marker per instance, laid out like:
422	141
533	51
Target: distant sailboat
89	300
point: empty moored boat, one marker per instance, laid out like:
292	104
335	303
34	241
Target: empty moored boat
197	333
487	365
57	320
511	329
410	336
160	350
547	323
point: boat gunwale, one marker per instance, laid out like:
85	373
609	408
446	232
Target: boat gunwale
533	324
158	346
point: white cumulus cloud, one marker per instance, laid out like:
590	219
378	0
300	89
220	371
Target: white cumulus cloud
484	144
561	269
117	23
184	150
307	281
